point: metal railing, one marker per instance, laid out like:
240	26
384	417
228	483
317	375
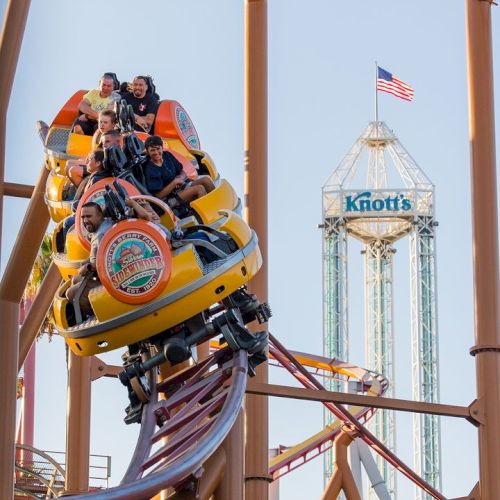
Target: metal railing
41	474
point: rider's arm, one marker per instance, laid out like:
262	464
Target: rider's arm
140	212
169	188
85	108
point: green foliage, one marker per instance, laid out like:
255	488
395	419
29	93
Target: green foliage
38	272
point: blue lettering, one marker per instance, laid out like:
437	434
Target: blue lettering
406	204
365	206
363	203
350	205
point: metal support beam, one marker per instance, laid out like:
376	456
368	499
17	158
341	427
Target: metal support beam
38	311
256	453
78	424
232	486
16	15
98	369
28	401
283	391
335	334
17	190
425	363
376	480
9	312
379	349
27	244
342	478
14	23
211	475
485	240
12	287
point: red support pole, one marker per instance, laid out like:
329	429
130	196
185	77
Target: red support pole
28	405
28	428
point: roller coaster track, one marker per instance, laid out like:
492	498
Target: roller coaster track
370	383
202	404
347	419
189	414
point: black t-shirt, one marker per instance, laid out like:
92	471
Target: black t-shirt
142	106
98	176
156	177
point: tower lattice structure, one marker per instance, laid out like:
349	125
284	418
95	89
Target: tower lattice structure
379	195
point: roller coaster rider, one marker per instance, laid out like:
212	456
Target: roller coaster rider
77	169
96	224
208	250
93	102
95	167
144	103
165	178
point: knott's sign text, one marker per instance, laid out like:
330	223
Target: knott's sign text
377	202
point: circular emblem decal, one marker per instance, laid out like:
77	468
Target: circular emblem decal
96	194
186	127
134	261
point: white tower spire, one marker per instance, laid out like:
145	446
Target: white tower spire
378	195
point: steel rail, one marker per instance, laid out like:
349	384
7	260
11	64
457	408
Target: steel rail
351	422
188	377
324	440
143	446
192	460
31	473
42	454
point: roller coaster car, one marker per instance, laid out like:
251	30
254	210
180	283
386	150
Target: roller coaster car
60	145
149	287
70	253
172	124
155	294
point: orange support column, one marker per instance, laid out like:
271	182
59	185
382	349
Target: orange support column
342	478
14	23
78	424
231	486
10	45
9	312
12	286
256	455
485	243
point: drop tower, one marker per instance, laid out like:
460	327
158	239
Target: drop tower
379	195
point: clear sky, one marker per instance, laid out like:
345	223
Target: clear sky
321	78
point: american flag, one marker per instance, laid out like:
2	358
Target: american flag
387	82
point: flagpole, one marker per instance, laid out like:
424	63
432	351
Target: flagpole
376	93
376	98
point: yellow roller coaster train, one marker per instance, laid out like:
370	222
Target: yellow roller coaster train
162	287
